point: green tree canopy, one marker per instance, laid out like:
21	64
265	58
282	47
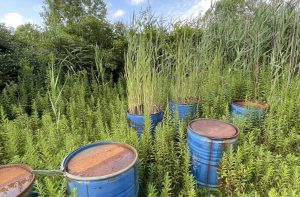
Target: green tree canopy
84	19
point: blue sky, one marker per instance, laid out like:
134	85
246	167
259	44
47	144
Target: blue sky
16	12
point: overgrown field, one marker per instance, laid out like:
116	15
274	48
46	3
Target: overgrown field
254	55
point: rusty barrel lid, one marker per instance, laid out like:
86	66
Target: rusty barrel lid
250	103
101	160
214	129
15	180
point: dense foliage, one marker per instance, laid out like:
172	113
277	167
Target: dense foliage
51	104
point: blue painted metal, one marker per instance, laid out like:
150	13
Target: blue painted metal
184	110
138	121
239	111
120	184
206	153
34	194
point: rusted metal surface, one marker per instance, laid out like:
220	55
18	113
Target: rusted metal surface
107	169
207	140
250	110
215	129
101	160
251	103
15	180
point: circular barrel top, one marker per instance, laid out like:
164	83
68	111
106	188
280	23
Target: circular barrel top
15	179
101	160
250	103
213	128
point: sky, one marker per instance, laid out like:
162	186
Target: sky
17	12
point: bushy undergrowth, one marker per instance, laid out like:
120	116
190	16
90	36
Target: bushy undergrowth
253	54
266	162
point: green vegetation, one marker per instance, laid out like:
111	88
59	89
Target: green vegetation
54	99
141	76
185	87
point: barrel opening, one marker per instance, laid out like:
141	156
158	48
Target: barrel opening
139	110
186	102
251	103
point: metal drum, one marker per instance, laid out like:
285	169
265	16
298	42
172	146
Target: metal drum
248	108
207	140
16	180
184	110
102	169
138	121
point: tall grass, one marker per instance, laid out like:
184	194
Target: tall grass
186	73
141	76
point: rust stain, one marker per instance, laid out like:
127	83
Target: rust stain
101	160
87	189
14	180
208	163
213	128
226	145
251	103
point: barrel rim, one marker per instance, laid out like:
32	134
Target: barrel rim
27	168
82	178
263	103
137	115
215	138
183	104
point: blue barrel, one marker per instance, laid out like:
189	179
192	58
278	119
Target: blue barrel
245	109
16	180
138	123
207	140
102	169
184	110
34	194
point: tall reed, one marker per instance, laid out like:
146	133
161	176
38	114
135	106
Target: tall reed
141	76
185	75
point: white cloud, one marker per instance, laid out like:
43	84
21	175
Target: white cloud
136	2
13	19
197	9
119	13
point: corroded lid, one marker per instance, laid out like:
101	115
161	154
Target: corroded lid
250	103
15	180
101	160
213	128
